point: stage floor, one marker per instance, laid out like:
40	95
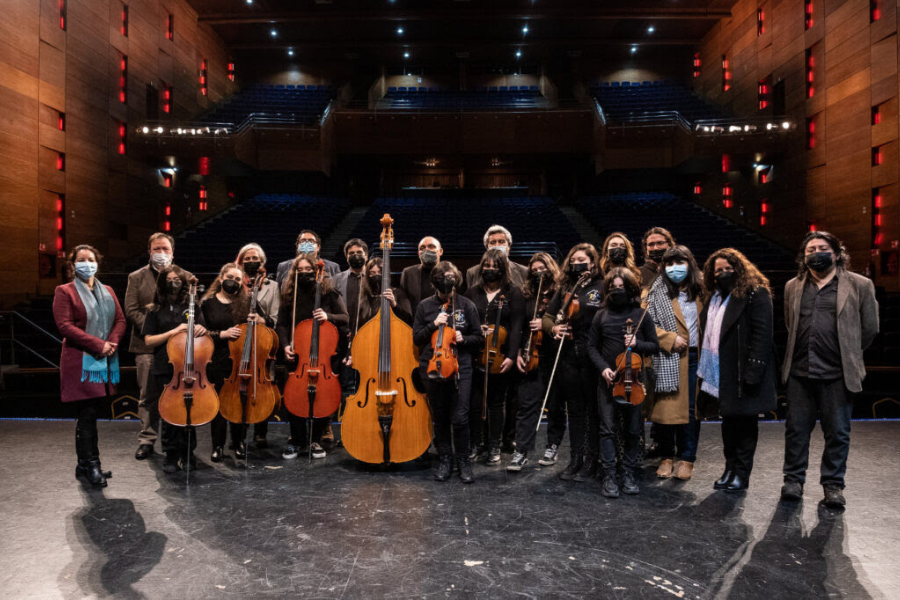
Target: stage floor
332	529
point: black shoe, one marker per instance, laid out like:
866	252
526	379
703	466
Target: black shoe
170	465
587	471
493	457
653	451
465	470
737	484
792	491
574	466
144	451
183	463
609	487
91	471
834	497
260	441
240	450
444	467
217	454
724	480
476	451
629	486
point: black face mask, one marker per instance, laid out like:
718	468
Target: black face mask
656	255
617	255
173	287
306	279
490	275
357	261
251	267
230	286
725	280
578	268
820	261
445	285
375	283
540	277
618	298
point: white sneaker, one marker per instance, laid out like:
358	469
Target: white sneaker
317	450
550	455
289	452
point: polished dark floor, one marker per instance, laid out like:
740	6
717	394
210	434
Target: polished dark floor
333	529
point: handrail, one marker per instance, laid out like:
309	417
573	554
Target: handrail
14	342
665	117
32	323
600	112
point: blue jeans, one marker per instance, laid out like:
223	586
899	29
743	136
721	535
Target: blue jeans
682	440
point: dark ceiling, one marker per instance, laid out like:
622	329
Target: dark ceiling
441	31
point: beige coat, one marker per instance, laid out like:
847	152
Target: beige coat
672	409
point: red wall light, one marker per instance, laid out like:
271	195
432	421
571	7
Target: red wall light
808	14
204	73
698	189
61	122
125	20
123	79
697	64
876	115
760	22
874	10
231	71
877	156
170	27
726	163
122	138
60	161
62	14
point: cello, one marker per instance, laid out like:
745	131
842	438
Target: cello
444	363
249	394
189	399
387	420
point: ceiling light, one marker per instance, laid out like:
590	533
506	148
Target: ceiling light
290	52
273	33
406	55
249	1
518	54
399	31
634	49
651	29
524	29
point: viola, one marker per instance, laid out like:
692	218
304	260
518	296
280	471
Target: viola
313	389
627	386
189	399
494	338
444	362
387	420
249	395
532	350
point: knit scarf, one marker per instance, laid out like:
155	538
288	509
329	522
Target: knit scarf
708	369
101	314
666	364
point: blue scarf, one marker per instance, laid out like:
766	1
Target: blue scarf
708	369
101	315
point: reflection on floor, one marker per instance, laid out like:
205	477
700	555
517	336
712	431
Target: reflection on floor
333	529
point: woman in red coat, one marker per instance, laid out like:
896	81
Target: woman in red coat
91	321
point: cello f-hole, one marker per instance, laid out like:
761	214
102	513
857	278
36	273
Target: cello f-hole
401	380
363	404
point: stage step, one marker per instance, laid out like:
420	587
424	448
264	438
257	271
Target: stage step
583	226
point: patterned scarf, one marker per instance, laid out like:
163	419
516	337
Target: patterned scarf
708	369
666	364
101	314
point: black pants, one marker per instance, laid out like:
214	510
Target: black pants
739	436
832	403
174	439
299	426
531	390
626	419
578	389
86	448
218	428
498	388
449	404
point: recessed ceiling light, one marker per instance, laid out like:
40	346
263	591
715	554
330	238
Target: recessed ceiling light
634	49
525	29
651	29
518	54
291	52
273	33
406	55
399	31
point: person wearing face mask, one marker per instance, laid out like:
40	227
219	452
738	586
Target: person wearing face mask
674	304
655	242
415	280
308	242
736	371
831	316
92	324
167	317
608	339
332	309
140	295
348	282
252	261
449	399
493	286
543	273
225	306
618	252
499	237
576	376
370	296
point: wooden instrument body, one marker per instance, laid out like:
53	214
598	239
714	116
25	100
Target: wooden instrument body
627	384
444	362
249	395
382	394
313	373
491	358
189	389
532	352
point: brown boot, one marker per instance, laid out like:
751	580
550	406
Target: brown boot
684	470
665	468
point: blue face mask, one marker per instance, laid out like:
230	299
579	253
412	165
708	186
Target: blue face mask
85	269
676	273
306	247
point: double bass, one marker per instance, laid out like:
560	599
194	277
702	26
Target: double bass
249	395
189	399
387	420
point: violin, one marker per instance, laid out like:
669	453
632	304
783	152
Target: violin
494	338
313	389
249	395
387	420
189	399
532	350
627	386
571	305
444	363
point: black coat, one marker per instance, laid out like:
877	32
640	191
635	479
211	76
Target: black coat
746	356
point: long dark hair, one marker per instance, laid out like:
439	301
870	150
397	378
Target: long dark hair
592	253
841	257
632	286
551	285
287	288
693	283
501	262
161	293
748	277
658	231
606	264
240	305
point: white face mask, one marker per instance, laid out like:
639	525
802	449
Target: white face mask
160	260
503	248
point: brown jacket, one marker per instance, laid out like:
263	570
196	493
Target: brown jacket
672	409
139	295
857	323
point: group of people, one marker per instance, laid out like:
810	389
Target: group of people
705	335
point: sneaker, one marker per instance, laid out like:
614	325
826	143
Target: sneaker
477	450
317	450
289	452
517	462
588	470
610	488
550	456
628	484
572	469
792	491
834	497
494	456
